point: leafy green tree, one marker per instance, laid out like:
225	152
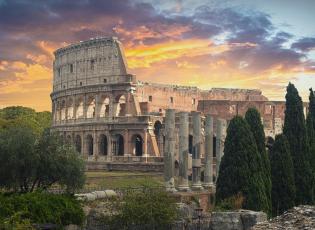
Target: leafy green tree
18	159
23	116
28	164
295	131
253	118
240	169
59	163
282	174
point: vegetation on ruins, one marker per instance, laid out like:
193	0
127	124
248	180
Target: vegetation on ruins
282	175
20	211
240	169
253	118
146	208
295	131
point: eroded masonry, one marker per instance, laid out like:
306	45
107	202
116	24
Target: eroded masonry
117	122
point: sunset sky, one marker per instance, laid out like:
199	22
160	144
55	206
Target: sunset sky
260	44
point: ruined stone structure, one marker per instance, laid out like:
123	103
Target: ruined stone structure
117	122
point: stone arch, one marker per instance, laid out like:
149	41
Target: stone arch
69	140
118	145
89	144
103	145
63	110
157	128
80	108
78	144
90	113
70	108
57	111
104	106
120	105
137	145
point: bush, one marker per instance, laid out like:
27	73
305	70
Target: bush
149	208
232	203
40	208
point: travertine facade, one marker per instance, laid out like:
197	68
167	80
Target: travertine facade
111	117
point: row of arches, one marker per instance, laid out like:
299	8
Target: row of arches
116	145
89	107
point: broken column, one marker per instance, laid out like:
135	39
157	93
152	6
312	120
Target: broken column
183	151
169	150
196	161
208	179
221	128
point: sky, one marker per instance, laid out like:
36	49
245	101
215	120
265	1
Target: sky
257	44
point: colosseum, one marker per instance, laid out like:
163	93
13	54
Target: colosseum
117	122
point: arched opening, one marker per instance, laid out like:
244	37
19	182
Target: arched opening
90	113
103	145
158	135
121	106
157	128
70	109
63	110
190	144
137	142
89	145
78	144
57	111
68	140
118	145
104	111
214	146
79	113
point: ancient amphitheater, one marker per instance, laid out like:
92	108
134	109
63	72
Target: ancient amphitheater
117	122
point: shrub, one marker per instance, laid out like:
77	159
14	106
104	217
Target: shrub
41	208
149	208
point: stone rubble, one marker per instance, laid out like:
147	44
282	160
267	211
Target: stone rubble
301	217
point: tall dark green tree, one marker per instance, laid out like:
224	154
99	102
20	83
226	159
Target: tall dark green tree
311	107
240	170
253	118
310	127
282	175
295	131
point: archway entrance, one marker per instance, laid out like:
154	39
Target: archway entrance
137	145
78	143
103	145
118	145
89	144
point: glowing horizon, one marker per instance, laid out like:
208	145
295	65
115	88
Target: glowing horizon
208	44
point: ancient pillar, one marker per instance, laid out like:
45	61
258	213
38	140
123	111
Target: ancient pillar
97	107
183	151
169	150
74	108
196	161
85	106
208	181
221	126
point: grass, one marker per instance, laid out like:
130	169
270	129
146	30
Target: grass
115	180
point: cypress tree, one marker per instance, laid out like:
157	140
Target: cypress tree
253	118
295	131
240	168
311	106
282	175
310	127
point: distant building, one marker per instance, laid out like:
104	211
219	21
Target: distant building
111	117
